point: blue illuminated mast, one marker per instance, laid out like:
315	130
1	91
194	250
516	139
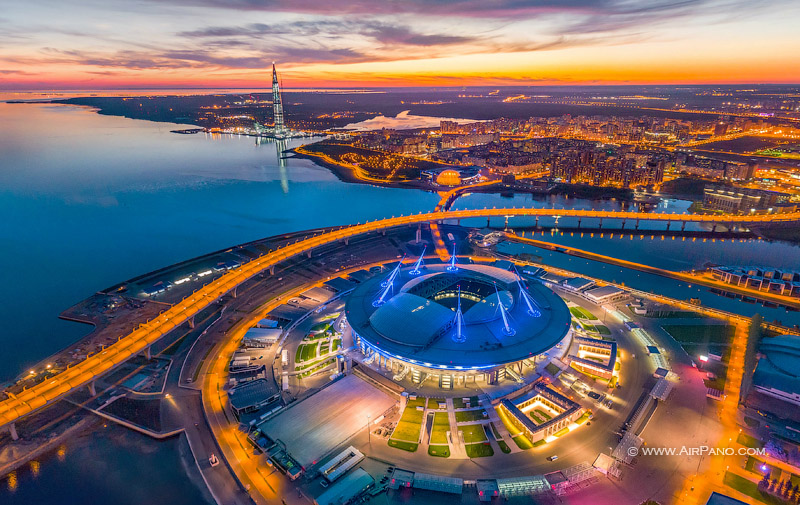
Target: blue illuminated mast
453	267
382	299
388	284
392	275
458	336
507	329
416	270
533	310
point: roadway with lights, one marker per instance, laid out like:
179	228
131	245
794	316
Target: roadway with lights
140	339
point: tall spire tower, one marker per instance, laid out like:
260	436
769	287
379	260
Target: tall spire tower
277	104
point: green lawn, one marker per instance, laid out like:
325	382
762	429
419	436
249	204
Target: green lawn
561	433
306	352
544	414
459	402
584	417
337	343
321	327
440	451
409	425
504	446
316	368
441	425
754	465
539	443
552	369
522	442
433	403
418	402
749	488
406	431
465	416
406	446
581	313
473	433
536	419
494	430
479	450
700	333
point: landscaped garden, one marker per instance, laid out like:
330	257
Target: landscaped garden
581	313
482	450
459	403
473	433
441	425
465	416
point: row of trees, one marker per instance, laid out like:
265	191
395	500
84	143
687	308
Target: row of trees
782	489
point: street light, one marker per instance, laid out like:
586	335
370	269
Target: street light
369	438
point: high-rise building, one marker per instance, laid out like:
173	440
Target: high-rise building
277	104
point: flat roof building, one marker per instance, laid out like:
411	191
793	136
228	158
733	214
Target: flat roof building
605	294
252	395
347	489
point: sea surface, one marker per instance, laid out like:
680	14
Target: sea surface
89	200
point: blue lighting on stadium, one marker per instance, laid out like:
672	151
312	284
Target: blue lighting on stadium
507	329
533	310
416	270
458	336
453	267
392	275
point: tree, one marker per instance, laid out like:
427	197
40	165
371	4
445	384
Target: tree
763	484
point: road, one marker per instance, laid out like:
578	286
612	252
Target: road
699	279
147	333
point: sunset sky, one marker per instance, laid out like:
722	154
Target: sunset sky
96	44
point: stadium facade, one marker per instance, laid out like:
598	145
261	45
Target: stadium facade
460	324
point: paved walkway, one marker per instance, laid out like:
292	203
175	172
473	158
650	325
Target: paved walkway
457	449
498	424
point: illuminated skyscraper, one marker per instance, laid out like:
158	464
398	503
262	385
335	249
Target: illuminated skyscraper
277	104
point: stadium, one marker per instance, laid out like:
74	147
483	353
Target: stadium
462	324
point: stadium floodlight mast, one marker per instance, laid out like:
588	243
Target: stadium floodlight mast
507	329
533	309
416	270
392	275
453	267
382	299
388	284
458	336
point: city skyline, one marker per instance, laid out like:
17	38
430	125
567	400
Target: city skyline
197	43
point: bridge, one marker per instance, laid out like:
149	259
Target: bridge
142	337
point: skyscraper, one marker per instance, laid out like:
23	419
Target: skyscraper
277	104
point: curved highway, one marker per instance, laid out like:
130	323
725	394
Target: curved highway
55	387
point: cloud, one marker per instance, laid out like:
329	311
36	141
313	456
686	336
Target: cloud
501	9
379	31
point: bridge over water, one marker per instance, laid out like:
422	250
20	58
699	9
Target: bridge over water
143	336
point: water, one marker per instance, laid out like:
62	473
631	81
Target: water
667	253
111	465
90	200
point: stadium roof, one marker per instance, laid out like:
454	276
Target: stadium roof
416	321
779	368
